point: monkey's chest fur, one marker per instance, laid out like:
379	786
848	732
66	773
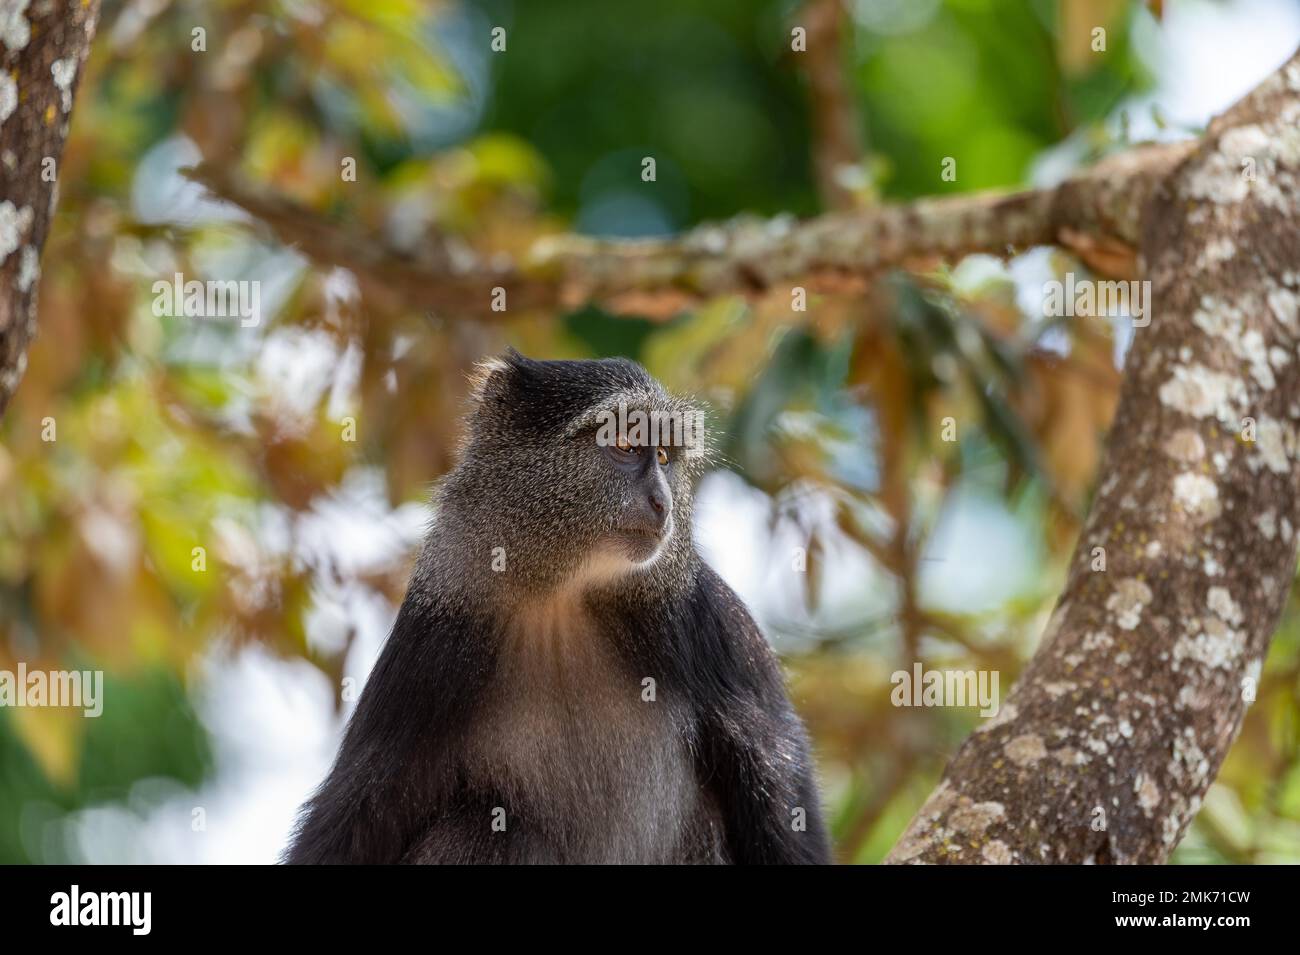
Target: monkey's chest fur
584	767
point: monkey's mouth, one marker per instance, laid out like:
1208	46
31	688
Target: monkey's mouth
645	531
641	532
641	542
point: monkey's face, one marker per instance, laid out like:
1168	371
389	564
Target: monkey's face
633	457
582	470
642	473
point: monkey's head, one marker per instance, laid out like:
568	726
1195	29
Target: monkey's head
573	472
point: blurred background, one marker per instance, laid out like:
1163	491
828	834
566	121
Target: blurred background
227	687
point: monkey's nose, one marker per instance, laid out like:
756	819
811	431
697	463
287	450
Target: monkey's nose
658	507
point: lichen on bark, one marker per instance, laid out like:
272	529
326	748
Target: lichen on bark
43	49
1121	720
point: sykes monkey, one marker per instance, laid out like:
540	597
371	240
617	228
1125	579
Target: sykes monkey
567	680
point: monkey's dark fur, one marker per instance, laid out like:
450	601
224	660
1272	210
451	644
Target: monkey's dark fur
516	694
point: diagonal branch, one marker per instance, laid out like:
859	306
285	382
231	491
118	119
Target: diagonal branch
1119	724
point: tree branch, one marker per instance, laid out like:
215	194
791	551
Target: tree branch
837	142
742	256
42	52
1119	724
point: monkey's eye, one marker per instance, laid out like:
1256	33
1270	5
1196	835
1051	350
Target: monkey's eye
661	455
622	451
626	448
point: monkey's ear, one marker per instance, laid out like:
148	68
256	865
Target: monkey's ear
492	376
481	378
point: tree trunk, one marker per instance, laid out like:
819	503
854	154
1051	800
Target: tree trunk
43	47
1106	746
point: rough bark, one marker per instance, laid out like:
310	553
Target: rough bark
1110	739
43	47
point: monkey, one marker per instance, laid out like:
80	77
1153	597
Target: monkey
567	680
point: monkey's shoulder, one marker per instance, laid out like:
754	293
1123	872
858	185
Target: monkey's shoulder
707	638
